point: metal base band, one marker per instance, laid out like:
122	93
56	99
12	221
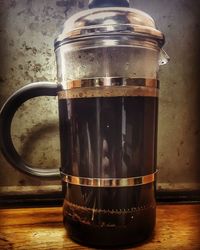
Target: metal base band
109	182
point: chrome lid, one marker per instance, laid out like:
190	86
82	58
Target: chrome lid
109	21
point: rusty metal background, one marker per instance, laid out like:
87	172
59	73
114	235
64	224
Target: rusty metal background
27	32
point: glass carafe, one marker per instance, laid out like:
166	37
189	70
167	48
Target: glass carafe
107	63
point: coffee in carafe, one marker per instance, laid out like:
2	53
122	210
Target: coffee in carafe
112	139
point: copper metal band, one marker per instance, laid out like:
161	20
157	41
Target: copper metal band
113	91
110	81
108	87
109	182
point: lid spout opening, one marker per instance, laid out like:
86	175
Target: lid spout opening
164	57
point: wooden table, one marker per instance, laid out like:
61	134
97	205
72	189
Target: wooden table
178	227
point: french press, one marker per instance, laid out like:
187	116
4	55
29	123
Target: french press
107	64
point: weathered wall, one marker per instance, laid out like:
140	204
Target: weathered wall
27	31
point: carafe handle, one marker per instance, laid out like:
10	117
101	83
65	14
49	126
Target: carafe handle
6	116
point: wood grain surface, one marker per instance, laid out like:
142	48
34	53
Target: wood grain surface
178	227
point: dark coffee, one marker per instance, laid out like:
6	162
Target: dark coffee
108	137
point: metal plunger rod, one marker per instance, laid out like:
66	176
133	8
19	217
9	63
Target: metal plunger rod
108	3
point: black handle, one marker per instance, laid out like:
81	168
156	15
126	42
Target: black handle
6	116
108	3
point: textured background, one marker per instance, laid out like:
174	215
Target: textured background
27	32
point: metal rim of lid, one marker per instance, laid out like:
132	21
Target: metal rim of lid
110	40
